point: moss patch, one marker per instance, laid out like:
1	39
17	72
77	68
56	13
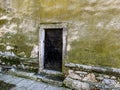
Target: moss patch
5	86
18	41
2	10
3	21
10	60
97	49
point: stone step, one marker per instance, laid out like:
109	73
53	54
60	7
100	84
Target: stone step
48	78
27	84
51	79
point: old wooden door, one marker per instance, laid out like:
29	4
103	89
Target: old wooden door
53	49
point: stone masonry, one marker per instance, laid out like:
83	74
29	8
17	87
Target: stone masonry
83	77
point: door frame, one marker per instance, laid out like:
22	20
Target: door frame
41	45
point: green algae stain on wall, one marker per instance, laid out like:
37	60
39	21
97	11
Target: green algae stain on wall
97	49
14	32
94	31
93	28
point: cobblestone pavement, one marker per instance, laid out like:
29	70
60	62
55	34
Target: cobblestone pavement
27	84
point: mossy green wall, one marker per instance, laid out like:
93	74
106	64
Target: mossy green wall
93	27
18	27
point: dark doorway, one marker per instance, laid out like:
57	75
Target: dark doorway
53	49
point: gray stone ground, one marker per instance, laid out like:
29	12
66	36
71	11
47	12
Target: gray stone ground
26	84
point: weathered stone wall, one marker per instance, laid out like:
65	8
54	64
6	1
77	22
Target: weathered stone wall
93	37
19	34
19	28
93	28
82	77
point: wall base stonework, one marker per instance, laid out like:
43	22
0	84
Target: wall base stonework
85	78
27	64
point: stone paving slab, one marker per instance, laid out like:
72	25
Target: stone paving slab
27	84
38	86
5	77
54	88
19	88
14	80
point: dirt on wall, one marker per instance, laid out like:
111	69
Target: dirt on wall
93	28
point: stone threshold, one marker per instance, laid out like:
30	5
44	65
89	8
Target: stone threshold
97	69
42	77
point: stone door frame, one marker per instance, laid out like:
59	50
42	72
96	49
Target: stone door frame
41	45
